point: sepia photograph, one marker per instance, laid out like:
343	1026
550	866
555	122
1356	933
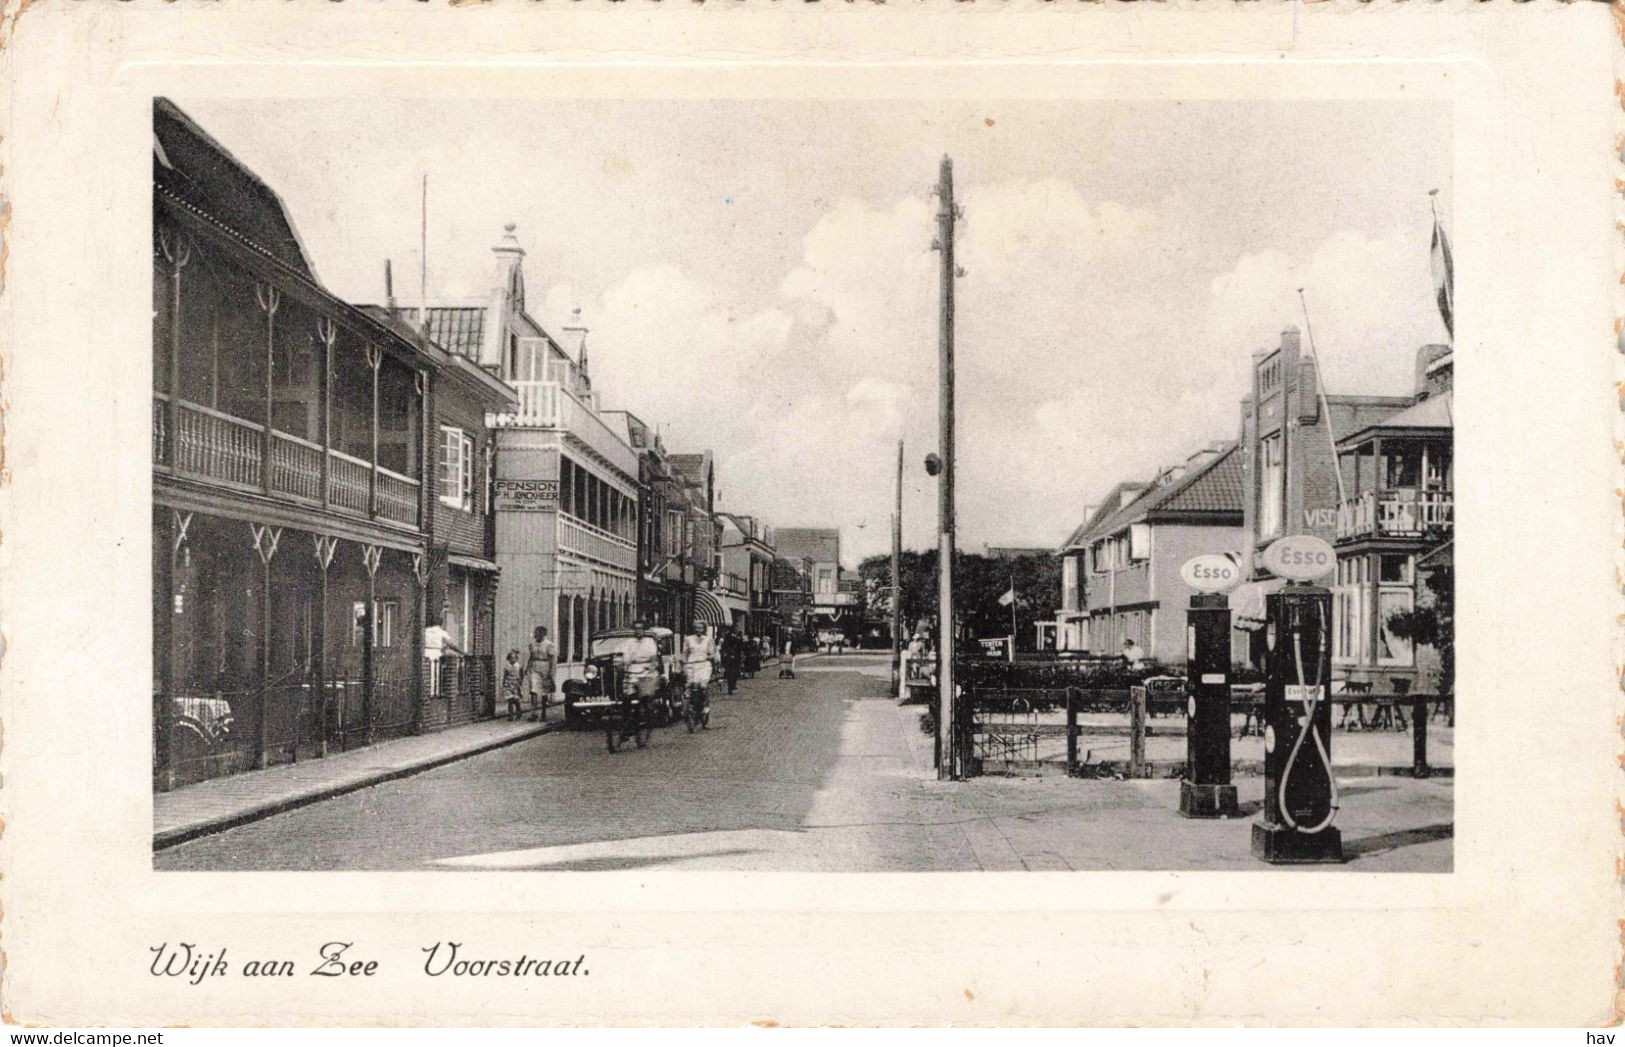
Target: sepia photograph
761	514
580	485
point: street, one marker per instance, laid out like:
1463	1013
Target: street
821	773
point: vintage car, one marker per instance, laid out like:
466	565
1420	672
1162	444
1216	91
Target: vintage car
603	681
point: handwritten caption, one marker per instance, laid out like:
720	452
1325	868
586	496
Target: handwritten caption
195	964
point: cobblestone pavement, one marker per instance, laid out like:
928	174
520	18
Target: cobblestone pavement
822	773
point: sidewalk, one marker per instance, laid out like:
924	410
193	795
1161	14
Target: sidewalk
224	803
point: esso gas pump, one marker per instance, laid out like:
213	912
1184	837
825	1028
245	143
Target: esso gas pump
1206	791
1300	789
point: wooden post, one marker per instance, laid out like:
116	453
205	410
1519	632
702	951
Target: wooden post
176	586
178	254
324	559
265	543
1072	731
375	359
370	556
327	332
949	764
1136	731
1419	739
420	698
270	299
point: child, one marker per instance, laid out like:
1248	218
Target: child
513	682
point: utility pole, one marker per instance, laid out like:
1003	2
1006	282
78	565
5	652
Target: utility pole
950	765
897	577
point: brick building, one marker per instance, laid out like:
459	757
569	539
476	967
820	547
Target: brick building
1120	575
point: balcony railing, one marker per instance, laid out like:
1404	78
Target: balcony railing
1396	514
595	543
728	582
221	449
548	405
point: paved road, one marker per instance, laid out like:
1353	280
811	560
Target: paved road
823	773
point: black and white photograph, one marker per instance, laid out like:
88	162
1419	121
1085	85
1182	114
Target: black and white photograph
768	514
567	485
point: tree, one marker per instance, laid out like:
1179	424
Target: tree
979	582
1434	624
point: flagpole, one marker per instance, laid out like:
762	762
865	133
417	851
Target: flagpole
1325	407
1012	611
1447	285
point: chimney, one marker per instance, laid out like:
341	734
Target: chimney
1426	357
389	288
1201	458
510	276
1289	339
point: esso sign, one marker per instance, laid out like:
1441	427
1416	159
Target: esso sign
1212	573
1300	557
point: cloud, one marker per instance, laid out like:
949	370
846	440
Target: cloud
1370	307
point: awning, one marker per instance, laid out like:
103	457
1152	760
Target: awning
708	609
1247	603
471	563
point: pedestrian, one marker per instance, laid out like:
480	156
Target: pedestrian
436	642
697	657
539	668
1133	654
733	658
787	664
513	685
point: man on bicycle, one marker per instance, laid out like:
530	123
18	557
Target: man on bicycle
643	664
697	657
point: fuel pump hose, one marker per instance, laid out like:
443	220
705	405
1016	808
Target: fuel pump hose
1310	705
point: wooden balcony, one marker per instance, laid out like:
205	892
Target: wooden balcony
548	405
1396	514
595	543
231	452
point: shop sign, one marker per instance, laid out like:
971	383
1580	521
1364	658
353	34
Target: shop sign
1300	558
525	496
1211	572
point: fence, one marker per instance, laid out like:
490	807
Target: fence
1006	724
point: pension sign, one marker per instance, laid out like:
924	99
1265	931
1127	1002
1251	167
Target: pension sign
1211	573
1299	557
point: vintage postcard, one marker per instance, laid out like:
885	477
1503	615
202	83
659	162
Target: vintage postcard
912	515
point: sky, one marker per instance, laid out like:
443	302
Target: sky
758	278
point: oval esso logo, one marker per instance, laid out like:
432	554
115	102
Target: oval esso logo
1300	557
1212	573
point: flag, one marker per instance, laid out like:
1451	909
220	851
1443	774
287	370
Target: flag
1008	598
1444	277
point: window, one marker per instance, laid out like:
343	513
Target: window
383	628
1069	583
826	580
1139	541
1391	649
1272	485
1395	568
456	474
1404	470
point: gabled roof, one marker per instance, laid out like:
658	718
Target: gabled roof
490	390
460	329
691	467
1211	489
1435	414
819	544
190	165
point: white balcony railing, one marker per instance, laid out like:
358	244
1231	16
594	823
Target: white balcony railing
1396	514
595	543
548	405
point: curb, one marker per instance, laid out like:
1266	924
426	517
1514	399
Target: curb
183	834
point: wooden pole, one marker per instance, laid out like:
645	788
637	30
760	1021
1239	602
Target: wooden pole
948	766
897	573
